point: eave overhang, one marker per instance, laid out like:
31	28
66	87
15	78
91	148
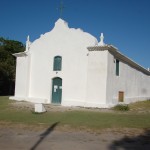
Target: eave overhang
115	52
21	54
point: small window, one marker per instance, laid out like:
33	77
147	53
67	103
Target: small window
121	96
57	63
117	67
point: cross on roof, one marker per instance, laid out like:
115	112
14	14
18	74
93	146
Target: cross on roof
61	8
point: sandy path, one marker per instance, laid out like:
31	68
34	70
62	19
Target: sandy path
56	140
25	137
51	138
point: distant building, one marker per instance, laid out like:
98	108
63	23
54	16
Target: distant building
69	67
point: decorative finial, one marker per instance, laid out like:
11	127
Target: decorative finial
28	43
101	43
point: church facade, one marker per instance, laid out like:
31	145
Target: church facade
70	67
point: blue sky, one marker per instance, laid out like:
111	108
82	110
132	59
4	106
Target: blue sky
125	23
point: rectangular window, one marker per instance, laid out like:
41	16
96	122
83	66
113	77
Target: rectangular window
117	67
121	96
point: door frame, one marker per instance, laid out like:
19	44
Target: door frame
52	88
121	96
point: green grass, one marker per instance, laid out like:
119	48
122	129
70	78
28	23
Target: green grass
77	119
143	105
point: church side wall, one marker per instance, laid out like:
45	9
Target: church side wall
97	76
21	78
133	83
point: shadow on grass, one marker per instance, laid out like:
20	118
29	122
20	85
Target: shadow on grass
44	135
141	142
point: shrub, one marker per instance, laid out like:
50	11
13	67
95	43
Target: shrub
121	107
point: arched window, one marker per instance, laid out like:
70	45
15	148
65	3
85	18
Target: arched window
57	63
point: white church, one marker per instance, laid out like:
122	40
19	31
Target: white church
69	67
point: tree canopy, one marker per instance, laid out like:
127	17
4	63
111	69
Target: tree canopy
8	64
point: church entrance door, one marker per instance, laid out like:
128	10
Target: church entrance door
56	90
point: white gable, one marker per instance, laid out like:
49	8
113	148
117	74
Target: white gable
62	33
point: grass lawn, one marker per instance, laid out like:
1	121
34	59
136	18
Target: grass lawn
137	117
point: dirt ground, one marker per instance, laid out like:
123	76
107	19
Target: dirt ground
50	108
29	137
23	137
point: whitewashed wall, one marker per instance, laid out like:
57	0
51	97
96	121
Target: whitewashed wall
21	78
134	83
71	44
97	78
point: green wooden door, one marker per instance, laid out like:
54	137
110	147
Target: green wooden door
57	90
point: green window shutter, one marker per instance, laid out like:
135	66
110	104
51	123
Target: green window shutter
57	63
117	67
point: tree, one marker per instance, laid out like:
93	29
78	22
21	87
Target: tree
8	64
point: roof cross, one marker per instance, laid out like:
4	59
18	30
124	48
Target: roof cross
61	8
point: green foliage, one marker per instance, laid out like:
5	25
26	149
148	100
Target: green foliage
121	107
7	64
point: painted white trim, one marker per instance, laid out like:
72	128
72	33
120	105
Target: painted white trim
82	103
21	54
30	99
